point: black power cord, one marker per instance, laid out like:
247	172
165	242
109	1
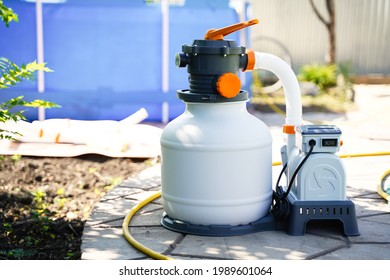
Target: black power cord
281	206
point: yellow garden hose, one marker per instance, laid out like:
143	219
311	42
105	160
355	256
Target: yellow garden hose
365	155
276	163
130	238
149	252
381	186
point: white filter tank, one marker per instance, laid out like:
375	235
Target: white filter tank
216	165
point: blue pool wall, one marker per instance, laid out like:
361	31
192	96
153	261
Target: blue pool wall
106	56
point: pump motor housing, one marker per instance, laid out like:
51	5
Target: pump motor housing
323	176
318	191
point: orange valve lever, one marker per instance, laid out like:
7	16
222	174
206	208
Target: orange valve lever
218	34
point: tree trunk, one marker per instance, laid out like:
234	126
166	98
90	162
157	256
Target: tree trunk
331	28
332	31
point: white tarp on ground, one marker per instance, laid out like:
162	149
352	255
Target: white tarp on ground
68	138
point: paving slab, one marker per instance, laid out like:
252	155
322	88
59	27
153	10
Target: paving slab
369	251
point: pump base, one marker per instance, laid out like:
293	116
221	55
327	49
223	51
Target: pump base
304	211
266	223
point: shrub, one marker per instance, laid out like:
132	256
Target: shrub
322	75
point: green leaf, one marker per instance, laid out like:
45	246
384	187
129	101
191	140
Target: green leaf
7	14
12	74
7	115
41	103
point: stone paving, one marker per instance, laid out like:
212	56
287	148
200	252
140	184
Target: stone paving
364	130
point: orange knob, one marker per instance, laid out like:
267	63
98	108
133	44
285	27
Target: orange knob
218	34
228	85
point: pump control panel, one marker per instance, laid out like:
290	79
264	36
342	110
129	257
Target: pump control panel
326	137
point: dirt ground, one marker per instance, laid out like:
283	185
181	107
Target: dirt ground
44	202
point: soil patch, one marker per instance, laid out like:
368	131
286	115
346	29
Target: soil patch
44	202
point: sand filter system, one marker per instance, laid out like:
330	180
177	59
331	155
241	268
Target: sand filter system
216	168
